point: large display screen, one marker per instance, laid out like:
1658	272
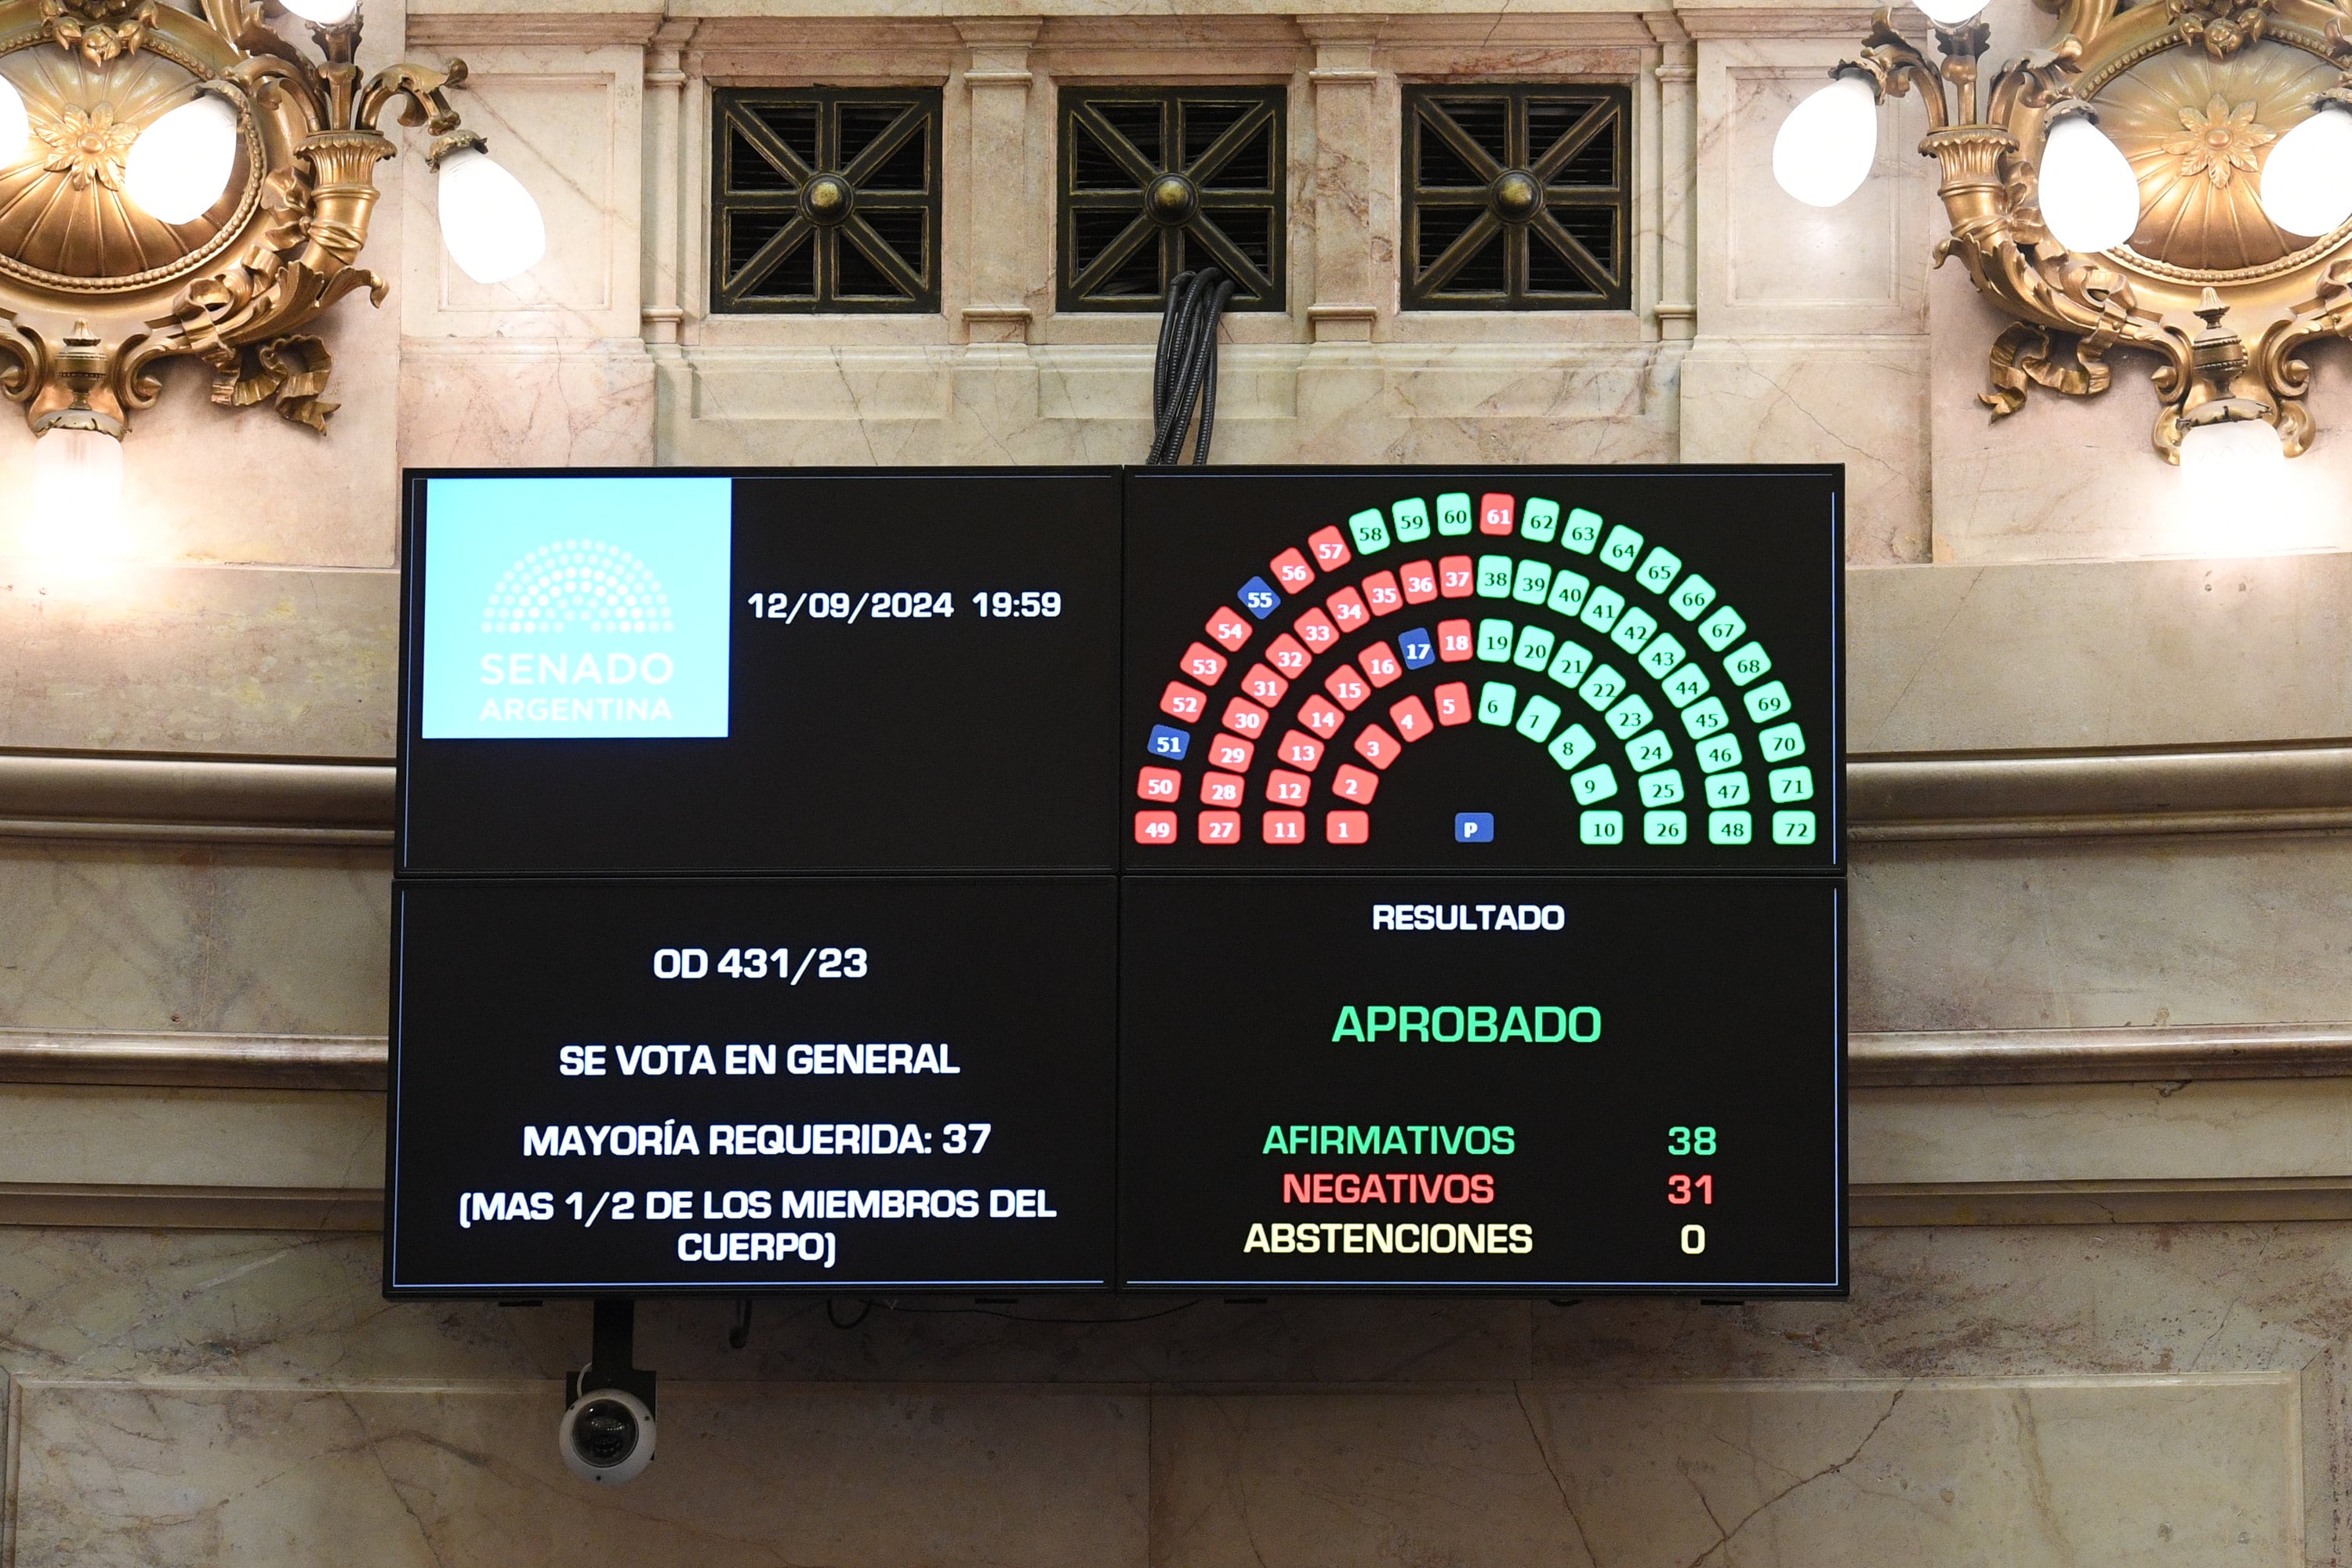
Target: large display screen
1226	879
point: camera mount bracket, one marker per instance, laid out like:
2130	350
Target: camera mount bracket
612	1358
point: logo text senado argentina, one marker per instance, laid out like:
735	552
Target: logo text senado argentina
570	610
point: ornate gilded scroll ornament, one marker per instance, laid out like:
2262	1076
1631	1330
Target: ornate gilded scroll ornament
2195	93
96	292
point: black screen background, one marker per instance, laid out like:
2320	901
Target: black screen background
1768	538
960	743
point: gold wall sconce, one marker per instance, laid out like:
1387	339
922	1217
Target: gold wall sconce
2159	164
184	185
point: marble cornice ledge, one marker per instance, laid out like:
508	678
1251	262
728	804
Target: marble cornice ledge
1940	1059
2214	1201
1705	23
2300	787
2292	787
2220	1200
1545	22
195	799
190	1059
471	26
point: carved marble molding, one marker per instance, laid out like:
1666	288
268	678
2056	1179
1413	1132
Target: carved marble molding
2224	1200
2217	1201
2300	787
580	30
194	799
194	1061
2125	793
75	1204
1927	1058
1951	1057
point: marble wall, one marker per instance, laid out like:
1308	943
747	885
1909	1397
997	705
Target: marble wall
2036	586
2060	1395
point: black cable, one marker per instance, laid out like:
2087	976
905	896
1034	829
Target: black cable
1163	364
1198	331
1168	436
1186	366
1209	379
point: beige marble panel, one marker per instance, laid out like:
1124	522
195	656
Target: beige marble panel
2006	935
2079	1386
468	1473
1525	381
2102	1132
2018	1473
1978	1301
564	122
1772	264
1114	383
207	484
1762	1475
1858	401
2088	655
467	404
195	1138
1785	252
198	659
122	1304
136	938
1336	403
2073	477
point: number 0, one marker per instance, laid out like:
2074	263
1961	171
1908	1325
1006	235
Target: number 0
1694	1239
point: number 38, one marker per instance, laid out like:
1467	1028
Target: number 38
1690	1139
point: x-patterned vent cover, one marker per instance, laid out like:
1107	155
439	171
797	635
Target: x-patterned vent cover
1516	198
1158	182
825	199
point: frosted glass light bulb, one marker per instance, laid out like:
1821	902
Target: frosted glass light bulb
2090	198
15	126
326	12
1828	143
488	220
2306	181
77	485
2236	472
1951	12
180	164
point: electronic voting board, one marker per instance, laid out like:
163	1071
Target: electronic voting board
1010	881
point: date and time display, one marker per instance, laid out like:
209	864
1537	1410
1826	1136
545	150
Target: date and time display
904	604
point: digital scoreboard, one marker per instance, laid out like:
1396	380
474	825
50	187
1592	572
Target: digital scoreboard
1029	879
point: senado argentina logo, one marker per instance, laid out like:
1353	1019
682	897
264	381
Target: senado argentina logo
587	582
590	588
610	624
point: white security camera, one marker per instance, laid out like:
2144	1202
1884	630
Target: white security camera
606	1434
607	1431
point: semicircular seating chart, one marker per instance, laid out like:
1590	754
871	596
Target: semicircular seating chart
1623	664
